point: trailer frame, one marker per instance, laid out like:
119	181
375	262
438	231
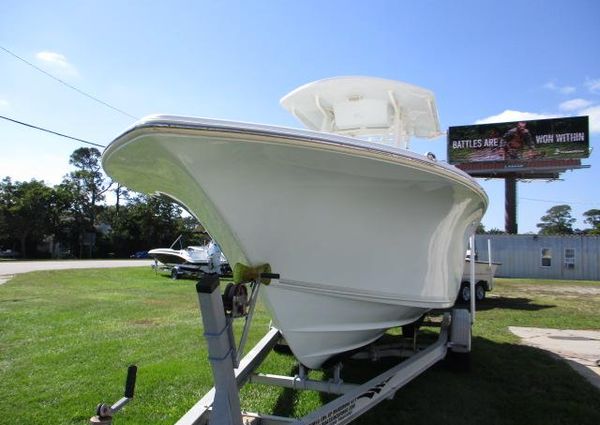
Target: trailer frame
221	405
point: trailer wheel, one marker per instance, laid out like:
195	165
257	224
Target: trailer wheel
459	353
480	291
174	274
465	293
460	331
228	296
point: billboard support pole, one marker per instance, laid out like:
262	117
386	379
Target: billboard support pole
510	205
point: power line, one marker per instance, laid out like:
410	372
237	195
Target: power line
67	84
51	132
558	202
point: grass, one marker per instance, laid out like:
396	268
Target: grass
66	338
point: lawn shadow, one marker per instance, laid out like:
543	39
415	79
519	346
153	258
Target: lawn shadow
506	384
284	406
511	303
17	300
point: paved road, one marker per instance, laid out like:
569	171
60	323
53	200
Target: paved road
10	268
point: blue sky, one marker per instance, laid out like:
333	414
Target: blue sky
235	60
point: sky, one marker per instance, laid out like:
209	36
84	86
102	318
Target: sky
484	60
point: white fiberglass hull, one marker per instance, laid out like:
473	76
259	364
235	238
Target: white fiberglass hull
365	237
483	270
170	257
194	256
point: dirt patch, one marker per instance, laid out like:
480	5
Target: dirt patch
563	290
144	322
156	302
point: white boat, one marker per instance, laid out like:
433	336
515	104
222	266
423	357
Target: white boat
193	255
300	200
191	260
485	272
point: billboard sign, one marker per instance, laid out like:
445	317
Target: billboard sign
520	143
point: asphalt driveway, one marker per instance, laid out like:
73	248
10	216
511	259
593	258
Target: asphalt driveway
10	268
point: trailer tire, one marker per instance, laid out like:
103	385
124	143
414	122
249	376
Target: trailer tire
228	297
459	354
480	291
464	295
460	331
174	273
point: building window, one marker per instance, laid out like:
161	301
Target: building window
546	257
569	258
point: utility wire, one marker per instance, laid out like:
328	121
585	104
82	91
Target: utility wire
557	202
51	132
67	84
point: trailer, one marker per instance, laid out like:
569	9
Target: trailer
484	272
221	405
179	271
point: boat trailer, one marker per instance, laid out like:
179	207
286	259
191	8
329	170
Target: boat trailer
221	405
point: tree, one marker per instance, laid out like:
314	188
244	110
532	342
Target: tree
26	209
88	179
557	221
121	192
147	222
69	219
86	186
592	217
493	231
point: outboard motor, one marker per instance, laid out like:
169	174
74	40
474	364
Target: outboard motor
214	258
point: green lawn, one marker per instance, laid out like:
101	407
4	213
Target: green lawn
66	338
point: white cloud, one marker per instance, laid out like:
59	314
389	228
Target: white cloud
594	114
509	115
593	85
4	105
58	62
551	85
574	104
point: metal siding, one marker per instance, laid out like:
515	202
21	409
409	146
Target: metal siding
590	258
520	255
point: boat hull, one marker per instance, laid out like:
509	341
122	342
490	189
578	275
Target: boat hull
364	237
170	257
319	325
483	271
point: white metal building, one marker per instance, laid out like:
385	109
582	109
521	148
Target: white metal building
543	257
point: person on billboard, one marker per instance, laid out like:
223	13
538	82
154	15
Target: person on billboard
517	139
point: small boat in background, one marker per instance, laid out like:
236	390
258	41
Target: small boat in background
190	255
193	259
485	272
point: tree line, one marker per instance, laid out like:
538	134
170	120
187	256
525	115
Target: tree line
73	220
558	220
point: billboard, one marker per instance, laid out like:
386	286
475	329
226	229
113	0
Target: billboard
520	143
